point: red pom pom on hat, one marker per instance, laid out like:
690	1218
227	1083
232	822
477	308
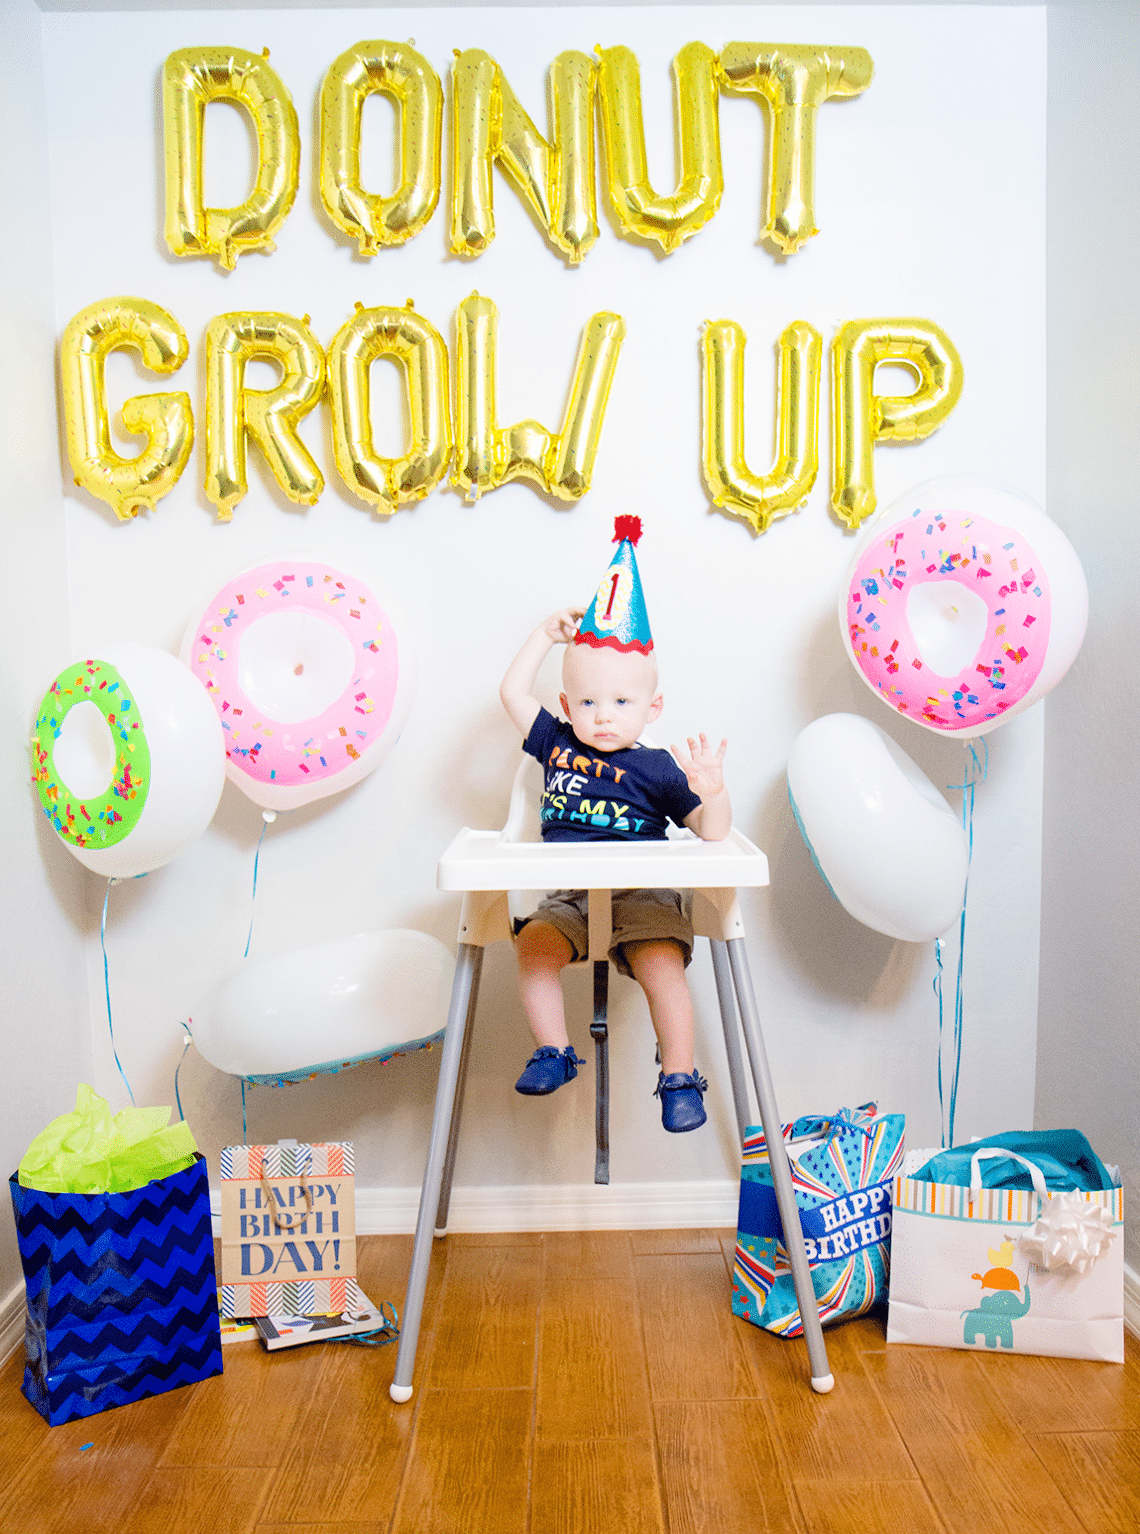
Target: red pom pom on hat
627	527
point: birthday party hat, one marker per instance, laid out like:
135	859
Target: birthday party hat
617	616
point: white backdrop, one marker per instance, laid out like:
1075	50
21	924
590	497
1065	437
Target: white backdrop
919	182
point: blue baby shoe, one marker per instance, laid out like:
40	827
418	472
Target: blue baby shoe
547	1070
681	1106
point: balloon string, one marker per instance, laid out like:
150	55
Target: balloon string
107	990
976	772
186	1043
253	895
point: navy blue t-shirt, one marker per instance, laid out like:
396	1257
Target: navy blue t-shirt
610	796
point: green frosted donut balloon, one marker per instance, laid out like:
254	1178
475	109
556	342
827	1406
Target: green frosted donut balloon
110	815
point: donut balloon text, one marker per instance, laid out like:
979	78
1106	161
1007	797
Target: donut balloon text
308	674
128	760
963	605
888	846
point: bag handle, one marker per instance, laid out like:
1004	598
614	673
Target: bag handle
280	1219
990	1151
815	1126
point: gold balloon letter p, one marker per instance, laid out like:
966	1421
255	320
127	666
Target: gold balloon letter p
860	417
129	485
191	78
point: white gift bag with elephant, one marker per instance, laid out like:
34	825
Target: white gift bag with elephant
1000	1270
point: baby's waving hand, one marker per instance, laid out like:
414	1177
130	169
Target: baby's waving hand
704	769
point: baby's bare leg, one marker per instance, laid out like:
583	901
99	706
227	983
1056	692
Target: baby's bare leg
543	953
659	968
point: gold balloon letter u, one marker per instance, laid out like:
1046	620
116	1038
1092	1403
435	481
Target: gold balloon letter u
760	499
642	213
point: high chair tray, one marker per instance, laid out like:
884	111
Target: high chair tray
482	860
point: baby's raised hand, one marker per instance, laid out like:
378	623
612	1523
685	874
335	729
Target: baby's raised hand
703	767
562	626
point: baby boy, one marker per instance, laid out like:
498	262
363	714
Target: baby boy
601	785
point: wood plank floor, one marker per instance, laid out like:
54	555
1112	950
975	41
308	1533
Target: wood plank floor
573	1383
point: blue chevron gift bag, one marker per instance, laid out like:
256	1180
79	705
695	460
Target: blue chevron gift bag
841	1175
122	1295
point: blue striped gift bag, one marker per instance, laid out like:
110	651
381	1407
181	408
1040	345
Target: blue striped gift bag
841	1175
121	1290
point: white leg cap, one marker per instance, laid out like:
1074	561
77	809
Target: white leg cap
821	1384
440	1232
400	1393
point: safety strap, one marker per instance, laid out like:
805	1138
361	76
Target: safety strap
600	1036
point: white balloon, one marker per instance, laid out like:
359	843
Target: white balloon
927	637
318	1009
187	760
889	847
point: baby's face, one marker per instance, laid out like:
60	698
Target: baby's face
610	695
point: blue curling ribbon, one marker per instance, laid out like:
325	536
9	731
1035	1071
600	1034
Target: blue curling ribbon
107	986
253	894
186	1043
976	772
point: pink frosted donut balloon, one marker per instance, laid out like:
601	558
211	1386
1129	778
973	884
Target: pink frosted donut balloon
964	604
308	676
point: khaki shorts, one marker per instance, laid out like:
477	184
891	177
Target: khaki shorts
639	916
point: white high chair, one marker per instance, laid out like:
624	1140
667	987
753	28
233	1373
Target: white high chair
491	868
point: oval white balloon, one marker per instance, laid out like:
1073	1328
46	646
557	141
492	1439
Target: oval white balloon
312	1010
955	653
889	847
186	769
310	672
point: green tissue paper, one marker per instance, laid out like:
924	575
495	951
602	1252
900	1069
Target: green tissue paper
95	1151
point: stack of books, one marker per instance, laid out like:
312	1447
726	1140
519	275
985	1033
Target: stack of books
288	1331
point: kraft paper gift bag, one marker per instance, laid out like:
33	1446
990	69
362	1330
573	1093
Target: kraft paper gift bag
288	1230
1008	1269
122	1293
841	1173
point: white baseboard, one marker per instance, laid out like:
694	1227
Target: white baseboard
619	1206
1132	1300
12	1322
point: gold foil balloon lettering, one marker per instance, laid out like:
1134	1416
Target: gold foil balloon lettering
795	80
760	499
191	78
555	178
397	71
487	455
128	485
642	213
418	349
860	417
269	416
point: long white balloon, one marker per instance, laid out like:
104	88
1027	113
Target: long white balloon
333	1004
888	845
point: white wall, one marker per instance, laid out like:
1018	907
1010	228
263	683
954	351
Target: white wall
1088	1059
906	227
45	1018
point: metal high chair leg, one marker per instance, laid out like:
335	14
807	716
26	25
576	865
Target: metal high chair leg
722	973
822	1379
463	991
599	1034
457	1106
